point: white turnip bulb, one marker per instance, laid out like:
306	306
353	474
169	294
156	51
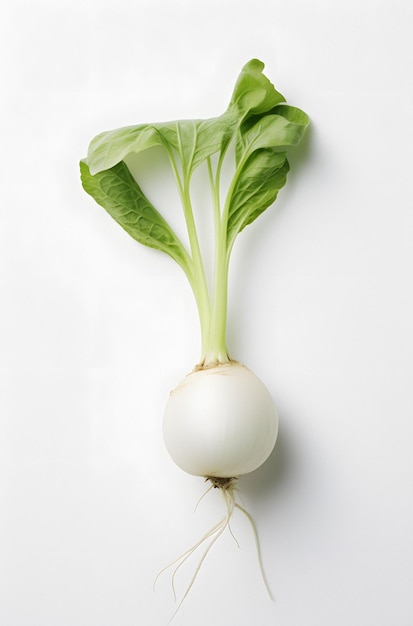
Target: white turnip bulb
220	422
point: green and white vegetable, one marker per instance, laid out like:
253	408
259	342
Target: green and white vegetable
220	422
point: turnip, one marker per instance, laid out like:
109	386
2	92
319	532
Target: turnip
220	422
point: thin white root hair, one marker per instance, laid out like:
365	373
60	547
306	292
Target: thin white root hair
217	531
202	497
257	546
227	491
183	557
229	499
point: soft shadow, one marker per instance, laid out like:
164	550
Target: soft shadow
280	468
283	463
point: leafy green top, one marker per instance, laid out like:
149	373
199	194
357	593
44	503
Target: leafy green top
260	125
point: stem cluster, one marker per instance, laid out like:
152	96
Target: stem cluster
212	304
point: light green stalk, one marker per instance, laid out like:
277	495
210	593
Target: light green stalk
216	349
197	276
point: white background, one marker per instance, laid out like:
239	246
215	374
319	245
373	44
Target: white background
95	329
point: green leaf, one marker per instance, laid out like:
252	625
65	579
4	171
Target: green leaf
256	187
110	148
212	136
262	165
283	126
193	141
254	93
292	114
116	191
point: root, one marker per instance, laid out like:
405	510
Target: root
202	497
222	483
227	488
257	546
